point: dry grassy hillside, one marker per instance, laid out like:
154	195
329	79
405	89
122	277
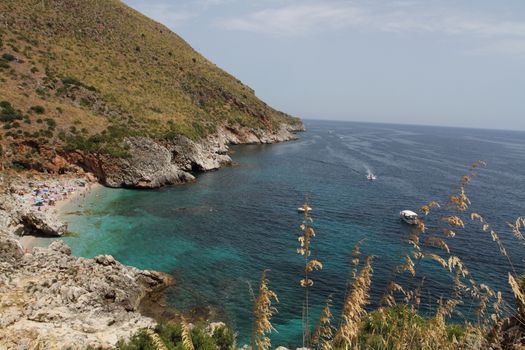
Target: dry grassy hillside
84	74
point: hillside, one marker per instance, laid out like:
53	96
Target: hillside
85	77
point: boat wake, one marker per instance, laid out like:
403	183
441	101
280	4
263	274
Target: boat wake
370	175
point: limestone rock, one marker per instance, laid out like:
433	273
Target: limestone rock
153	164
149	166
54	298
40	224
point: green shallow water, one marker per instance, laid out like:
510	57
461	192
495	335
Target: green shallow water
217	235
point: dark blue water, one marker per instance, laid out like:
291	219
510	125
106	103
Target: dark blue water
218	234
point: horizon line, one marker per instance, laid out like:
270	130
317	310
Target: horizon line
413	124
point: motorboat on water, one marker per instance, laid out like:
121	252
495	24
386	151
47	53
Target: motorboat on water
302	209
371	177
409	217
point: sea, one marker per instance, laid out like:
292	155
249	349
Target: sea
217	235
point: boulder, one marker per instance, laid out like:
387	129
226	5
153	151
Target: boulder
39	224
60	247
105	260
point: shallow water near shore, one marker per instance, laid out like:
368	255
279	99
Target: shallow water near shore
218	234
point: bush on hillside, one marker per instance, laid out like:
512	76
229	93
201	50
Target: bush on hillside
8	113
38	109
8	57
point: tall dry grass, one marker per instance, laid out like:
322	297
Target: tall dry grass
187	342
398	322
324	331
310	265
263	310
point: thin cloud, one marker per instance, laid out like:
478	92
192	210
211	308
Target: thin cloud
506	47
174	13
295	19
165	13
301	19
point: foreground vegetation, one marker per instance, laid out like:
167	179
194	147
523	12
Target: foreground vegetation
398	323
181	337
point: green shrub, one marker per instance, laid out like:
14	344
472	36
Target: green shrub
46	133
51	123
8	57
224	338
140	341
69	81
171	336
8	113
38	109
84	102
391	323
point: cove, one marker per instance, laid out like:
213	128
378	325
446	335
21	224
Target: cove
218	234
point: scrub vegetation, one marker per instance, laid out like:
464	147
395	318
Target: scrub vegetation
96	66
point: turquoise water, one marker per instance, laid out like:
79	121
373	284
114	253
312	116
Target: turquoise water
217	235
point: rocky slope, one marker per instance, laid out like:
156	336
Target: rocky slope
52	300
96	83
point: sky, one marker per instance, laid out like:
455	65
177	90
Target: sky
448	62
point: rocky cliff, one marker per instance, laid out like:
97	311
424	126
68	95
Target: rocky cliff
152	163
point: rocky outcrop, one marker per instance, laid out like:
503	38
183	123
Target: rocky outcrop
242	135
22	219
149	166
39	224
49	299
154	164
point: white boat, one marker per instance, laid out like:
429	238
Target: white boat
301	209
371	177
409	217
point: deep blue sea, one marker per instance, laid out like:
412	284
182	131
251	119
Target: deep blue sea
217	235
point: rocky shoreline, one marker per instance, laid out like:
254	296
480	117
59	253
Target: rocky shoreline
51	299
155	164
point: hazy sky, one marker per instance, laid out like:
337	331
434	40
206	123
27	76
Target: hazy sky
458	63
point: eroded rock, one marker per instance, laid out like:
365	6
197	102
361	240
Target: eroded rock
49	296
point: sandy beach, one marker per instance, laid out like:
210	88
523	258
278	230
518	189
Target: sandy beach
50	197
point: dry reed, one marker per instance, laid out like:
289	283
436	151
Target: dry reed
187	342
310	265
263	312
354	308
